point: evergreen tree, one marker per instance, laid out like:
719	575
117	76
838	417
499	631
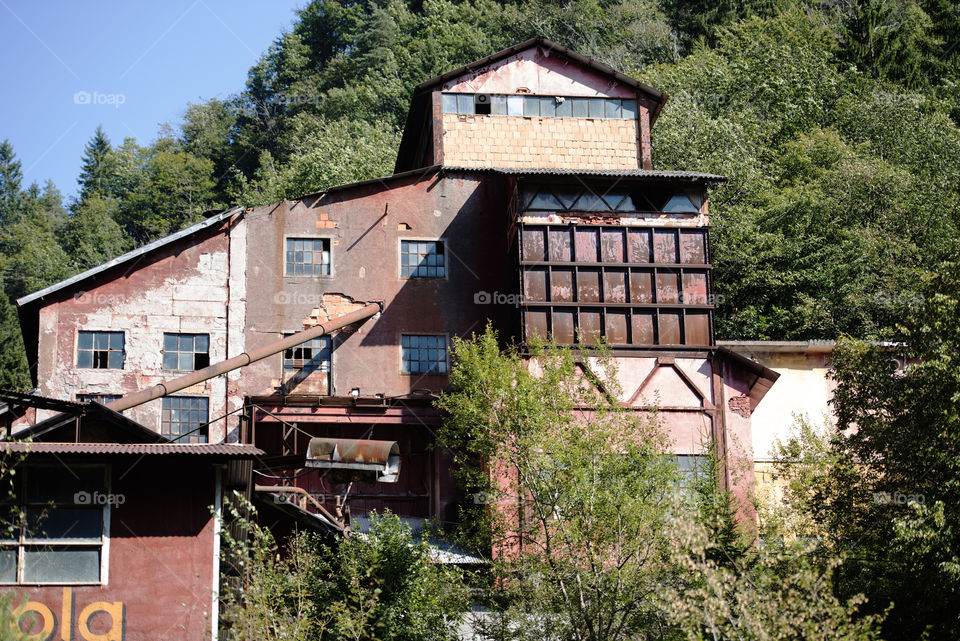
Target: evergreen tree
13	362
97	172
10	177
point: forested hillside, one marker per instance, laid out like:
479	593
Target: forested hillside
837	123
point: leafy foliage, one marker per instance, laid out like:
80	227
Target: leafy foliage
380	585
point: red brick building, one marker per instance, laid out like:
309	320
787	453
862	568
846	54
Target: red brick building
524	195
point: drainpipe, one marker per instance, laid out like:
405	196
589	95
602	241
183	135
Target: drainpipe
182	382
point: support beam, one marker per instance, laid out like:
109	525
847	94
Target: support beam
183	382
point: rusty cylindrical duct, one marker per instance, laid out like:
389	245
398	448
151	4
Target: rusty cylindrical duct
177	384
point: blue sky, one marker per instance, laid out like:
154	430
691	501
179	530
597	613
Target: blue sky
130	66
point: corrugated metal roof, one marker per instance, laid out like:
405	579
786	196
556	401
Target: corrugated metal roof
136	253
601	173
193	449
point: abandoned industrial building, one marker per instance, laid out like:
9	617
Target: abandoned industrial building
279	348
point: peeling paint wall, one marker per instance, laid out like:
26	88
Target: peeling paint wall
182	289
365	226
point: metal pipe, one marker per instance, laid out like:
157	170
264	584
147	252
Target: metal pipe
182	382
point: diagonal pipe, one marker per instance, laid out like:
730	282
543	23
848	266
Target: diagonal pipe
182	382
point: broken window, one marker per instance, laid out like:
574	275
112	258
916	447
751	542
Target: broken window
537	106
184	419
307	257
53	531
424	354
422	259
311	356
100	350
186	351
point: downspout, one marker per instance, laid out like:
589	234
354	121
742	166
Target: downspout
246	358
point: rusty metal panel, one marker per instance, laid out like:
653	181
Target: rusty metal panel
563	326
561	285
614	286
664	246
695	288
378	460
616	326
560	245
668	288
638	246
611	245
642	328
641	286
535	323
533	243
696	327
693	248
669	327
590	326
535	284
586	245
588	285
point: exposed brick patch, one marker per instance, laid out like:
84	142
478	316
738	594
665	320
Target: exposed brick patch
740	405
331	305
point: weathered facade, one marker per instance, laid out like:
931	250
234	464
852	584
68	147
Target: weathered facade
113	545
523	196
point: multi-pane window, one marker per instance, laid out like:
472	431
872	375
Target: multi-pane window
186	351
307	257
690	469
100	350
103	399
422	259
604	198
184	419
539	106
312	356
52	528
424	354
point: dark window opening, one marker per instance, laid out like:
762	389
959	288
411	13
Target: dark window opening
311	356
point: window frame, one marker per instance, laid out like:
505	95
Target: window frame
23	543
177	437
164	352
327	239
293	370
93	350
418	239
523	106
446	353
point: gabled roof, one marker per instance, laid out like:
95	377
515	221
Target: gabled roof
420	102
129	256
27	305
98	423
540	41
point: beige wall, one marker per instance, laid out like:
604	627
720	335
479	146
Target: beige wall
519	142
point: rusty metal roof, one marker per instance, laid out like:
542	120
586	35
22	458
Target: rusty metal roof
148	449
650	174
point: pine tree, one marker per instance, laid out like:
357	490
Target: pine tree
96	173
10	177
